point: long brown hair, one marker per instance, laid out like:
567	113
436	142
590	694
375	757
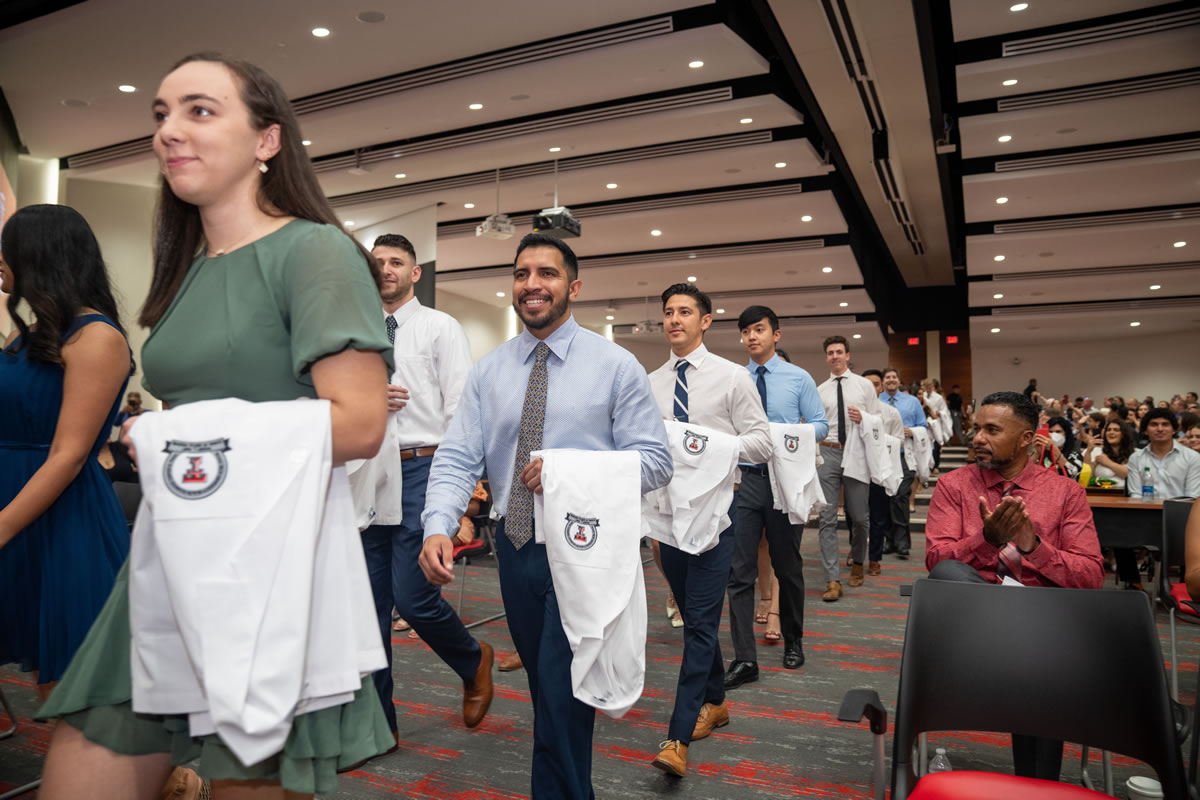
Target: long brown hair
288	188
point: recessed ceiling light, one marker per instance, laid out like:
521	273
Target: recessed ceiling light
610	186
1179	244
656	232
555	149
499	294
468	205
401	175
1010	82
1134	324
306	142
320	33
843	304
857	336
997	296
126	88
826	269
1004	138
720	311
691	278
1154	287
695	64
609	317
1001	200
746	120
780	164
371	16
997	258
349	223
1018	7
475	106
995	330
806	218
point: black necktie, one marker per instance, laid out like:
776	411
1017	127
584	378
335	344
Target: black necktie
841	413
391	328
762	385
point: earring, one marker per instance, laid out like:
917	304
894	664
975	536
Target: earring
262	167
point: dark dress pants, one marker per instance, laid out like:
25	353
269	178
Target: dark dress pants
698	583
881	517
754	515
1033	756
396	580
562	726
898	514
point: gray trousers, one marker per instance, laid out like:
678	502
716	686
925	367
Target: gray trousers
956	418
857	498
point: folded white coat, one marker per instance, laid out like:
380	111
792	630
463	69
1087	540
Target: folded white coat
249	595
919	453
376	484
588	516
866	456
793	472
692	510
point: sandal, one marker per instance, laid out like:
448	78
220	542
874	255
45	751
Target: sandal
400	625
764	608
772	636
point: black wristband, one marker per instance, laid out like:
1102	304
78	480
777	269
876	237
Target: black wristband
1036	541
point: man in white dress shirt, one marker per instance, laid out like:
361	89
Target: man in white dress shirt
432	361
845	396
697	386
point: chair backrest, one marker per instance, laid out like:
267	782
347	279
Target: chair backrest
1174	542
130	495
1081	665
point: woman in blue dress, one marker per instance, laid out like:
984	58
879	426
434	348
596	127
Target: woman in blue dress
63	536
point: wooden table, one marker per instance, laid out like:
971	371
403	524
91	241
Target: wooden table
1127	521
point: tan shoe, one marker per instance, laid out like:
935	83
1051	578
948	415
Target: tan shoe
477	693
856	575
833	591
182	784
672	759
874	569
711	716
510	662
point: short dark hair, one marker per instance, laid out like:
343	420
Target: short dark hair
1188	420
397	241
779	351
868	372
1069	444
886	370
1022	407
835	340
955	386
702	301
754	314
542	240
1160	413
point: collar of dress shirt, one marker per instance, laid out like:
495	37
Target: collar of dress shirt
404	313
889	397
845	374
772	364
559	342
1025	480
695	358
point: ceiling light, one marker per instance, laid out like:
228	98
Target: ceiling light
826	269
468	205
857	336
1010	82
306	142
720	311
997	258
1001	200
1018	7
1134	324
1154	287
1004	138
780	164
349	223
400	175
609	317
1179	244
610	186
499	294
746	120
806	218
995	330
126	88
997	297
843	304
320	33
475	106
656	232
555	149
695	64
691	278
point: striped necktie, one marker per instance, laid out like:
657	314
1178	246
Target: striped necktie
518	519
1010	557
681	400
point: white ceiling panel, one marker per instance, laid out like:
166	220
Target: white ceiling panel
975	19
1087	326
1026	291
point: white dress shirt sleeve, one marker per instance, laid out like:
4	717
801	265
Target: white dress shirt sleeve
749	420
452	355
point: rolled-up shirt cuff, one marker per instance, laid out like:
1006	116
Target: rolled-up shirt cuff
440	523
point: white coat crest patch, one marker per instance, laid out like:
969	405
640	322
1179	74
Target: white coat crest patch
694	443
581	532
195	470
791	443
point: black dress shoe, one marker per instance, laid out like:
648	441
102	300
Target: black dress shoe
902	554
793	657
888	547
741	672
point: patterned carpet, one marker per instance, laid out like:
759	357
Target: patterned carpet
783	739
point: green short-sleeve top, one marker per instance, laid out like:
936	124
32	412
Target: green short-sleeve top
250	324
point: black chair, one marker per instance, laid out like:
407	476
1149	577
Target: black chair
1032	661
1174	596
130	495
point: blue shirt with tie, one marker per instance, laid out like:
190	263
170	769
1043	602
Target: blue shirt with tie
791	395
909	407
598	398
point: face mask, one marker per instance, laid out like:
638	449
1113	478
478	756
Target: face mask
1058	439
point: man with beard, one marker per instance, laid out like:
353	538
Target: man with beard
432	360
1008	519
556	385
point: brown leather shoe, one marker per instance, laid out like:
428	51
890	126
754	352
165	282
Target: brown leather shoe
672	759
477	694
874	569
711	716
182	784
856	575
833	590
510	662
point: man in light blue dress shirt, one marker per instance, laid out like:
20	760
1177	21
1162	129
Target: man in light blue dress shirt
556	385
898	539
788	394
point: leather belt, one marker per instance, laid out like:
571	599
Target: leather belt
757	469
834	445
417	452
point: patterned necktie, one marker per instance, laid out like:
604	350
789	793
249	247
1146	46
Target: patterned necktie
681	406
892	400
518	520
391	326
841	413
762	385
1010	557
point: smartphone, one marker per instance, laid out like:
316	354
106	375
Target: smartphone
1044	431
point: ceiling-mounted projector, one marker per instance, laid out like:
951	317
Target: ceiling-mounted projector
558	222
496	226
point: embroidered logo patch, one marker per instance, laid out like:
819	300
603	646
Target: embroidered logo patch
791	443
581	532
194	470
694	443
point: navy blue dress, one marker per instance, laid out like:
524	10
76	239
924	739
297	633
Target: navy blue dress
55	574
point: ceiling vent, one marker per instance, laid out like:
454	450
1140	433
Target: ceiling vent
1101	91
1100	155
1102	33
1097	307
1098	221
1092	272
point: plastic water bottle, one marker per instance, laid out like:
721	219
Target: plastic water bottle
1147	485
939	762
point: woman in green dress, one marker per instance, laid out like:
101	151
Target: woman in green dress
258	294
